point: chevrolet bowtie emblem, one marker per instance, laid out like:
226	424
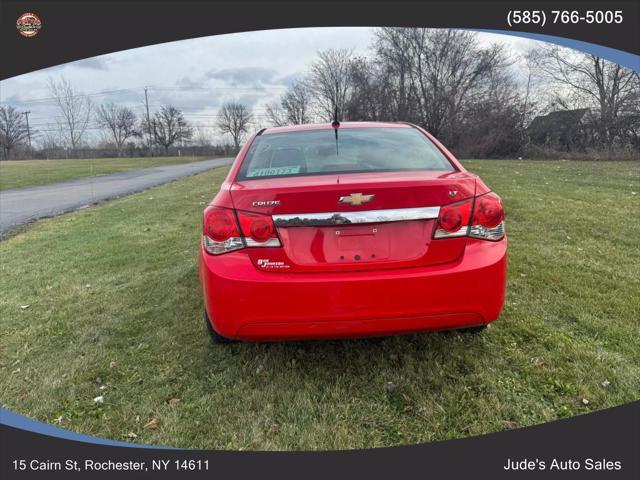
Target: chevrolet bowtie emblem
356	199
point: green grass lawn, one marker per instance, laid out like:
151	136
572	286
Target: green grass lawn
114	309
24	173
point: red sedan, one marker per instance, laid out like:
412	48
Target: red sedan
350	230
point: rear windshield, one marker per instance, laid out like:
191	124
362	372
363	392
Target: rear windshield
316	152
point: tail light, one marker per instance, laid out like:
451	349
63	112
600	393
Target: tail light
258	230
453	220
482	217
221	232
488	218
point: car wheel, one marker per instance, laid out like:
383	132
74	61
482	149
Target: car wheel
215	336
475	330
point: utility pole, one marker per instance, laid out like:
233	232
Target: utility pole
146	102
26	115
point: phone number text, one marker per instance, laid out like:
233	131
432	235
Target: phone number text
541	17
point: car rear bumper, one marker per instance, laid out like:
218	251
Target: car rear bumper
248	304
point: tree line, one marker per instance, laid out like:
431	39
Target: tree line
156	132
481	100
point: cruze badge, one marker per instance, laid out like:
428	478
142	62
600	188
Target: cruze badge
356	199
266	203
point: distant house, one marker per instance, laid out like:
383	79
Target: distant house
561	130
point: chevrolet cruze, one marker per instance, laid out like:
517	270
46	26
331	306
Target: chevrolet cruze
350	230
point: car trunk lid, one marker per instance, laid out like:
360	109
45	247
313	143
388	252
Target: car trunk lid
355	221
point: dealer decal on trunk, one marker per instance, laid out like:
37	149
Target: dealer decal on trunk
266	263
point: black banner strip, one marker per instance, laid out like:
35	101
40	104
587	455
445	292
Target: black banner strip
602	444
72	30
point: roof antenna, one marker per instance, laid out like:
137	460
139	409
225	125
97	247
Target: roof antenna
335	124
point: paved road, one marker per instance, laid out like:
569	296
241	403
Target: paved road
21	205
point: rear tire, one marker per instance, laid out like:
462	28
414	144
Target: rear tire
473	330
215	336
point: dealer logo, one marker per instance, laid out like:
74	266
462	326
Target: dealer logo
266	263
28	24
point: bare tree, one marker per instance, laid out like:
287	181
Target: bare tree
74	109
294	107
447	78
584	80
329	81
234	119
296	103
169	126
441	72
275	114
13	129
392	54
50	141
201	136
119	121
372	95
530	104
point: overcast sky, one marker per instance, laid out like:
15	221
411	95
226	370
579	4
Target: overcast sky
198	75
